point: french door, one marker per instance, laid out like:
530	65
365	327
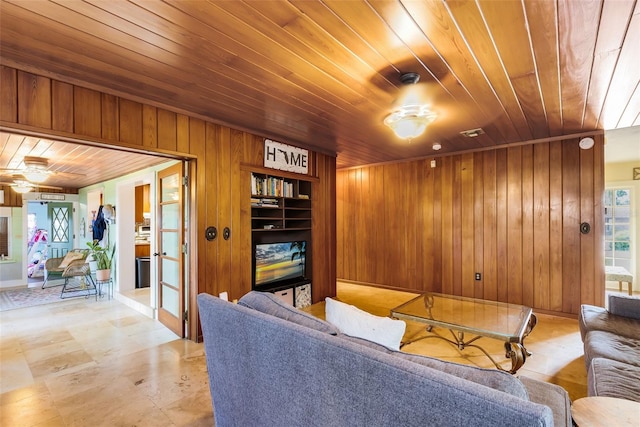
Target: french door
170	257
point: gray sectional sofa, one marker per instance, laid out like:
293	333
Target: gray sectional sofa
612	347
270	364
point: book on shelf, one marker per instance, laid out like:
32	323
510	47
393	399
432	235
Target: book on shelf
266	186
288	189
264	203
271	186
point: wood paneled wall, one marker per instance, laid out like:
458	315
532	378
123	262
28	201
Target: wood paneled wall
511	214
33	103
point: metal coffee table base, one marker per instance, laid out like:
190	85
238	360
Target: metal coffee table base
515	351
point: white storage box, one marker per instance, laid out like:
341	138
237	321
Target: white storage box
303	295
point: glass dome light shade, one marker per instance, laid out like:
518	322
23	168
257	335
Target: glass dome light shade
35	175
410	121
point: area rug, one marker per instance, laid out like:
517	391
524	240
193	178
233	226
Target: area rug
28	297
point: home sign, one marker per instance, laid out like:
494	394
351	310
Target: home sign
285	157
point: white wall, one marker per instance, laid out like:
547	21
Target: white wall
126	228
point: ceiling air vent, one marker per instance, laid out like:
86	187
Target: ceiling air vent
472	133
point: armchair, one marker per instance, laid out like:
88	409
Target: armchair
78	268
55	267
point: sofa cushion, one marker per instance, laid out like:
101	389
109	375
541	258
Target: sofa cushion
594	318
613	379
352	321
621	305
551	395
269	303
492	378
611	346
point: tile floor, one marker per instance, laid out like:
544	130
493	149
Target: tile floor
86	363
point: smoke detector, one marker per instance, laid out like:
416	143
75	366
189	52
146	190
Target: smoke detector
586	143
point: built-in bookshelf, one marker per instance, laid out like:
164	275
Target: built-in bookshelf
280	219
279	203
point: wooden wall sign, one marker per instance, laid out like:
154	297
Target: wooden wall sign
285	157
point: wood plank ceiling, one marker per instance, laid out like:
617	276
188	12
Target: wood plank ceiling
324	74
70	165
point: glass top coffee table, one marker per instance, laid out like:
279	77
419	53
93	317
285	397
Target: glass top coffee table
510	323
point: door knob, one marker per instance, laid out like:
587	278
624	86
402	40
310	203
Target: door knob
156	254
226	233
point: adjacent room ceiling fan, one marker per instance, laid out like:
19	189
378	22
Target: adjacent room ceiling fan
34	173
36	169
22	186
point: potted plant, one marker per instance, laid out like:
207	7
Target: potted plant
103	258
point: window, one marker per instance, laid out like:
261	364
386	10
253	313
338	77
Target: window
4	235
617	227
60	225
5	232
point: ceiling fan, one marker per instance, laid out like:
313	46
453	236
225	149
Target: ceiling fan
34	173
23	186
36	170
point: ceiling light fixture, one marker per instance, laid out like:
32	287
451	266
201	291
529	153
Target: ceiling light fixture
21	187
436	147
410	119
36	169
35	175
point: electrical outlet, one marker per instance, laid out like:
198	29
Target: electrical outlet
478	276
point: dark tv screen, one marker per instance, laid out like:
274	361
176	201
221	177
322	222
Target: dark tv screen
279	262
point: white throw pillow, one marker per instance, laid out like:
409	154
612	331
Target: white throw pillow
350	320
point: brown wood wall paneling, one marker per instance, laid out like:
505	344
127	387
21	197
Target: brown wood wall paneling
511	214
42	105
11	198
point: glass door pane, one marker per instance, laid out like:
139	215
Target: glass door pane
170	262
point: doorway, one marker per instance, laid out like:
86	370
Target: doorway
50	233
118	168
135	199
151	264
37	242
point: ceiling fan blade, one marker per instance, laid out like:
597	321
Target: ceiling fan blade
10	172
68	174
25	183
51	187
